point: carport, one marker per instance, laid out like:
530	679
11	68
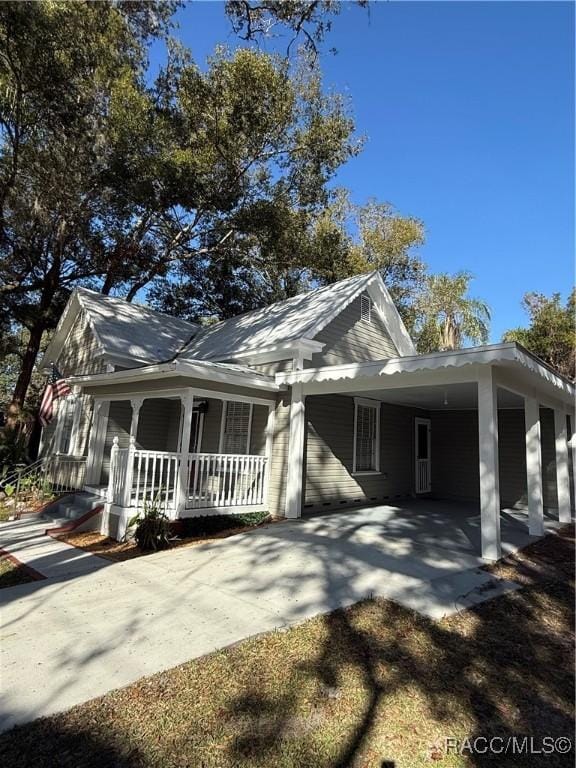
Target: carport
490	427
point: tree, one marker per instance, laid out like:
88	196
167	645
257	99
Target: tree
308	21
60	64
262	140
207	192
360	238
551	334
447	317
208	176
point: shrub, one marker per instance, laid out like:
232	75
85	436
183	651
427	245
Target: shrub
152	527
210	524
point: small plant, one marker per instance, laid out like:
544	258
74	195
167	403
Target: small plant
152	527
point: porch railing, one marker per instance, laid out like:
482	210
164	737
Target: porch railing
37	482
225	480
213	479
66	473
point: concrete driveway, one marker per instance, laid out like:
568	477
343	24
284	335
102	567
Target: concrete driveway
94	625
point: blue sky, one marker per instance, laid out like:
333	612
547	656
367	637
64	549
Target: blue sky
468	110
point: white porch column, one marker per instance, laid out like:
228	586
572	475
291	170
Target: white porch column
136	403
269	447
562	473
296	452
187	404
534	466
489	481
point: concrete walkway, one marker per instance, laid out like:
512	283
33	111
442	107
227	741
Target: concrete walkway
52	558
94	625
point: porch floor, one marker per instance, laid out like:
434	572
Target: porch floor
435	524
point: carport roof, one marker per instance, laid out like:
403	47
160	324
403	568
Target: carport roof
510	355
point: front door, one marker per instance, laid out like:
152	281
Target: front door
422	453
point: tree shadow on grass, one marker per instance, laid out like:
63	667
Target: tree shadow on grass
500	670
61	745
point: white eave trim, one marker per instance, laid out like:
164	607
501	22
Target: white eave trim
490	354
304	347
196	370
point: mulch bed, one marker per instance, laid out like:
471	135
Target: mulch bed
104	546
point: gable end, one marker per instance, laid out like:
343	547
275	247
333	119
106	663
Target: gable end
356	334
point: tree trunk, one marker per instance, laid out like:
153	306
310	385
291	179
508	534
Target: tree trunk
41	324
25	375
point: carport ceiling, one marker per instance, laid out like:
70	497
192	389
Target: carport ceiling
452	397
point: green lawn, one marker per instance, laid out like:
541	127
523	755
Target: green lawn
373	685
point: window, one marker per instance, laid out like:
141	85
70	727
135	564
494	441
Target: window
366	436
66	413
365	308
236	420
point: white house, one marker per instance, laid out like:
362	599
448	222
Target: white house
318	402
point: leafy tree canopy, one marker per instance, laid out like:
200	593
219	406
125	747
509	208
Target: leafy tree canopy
306	21
552	333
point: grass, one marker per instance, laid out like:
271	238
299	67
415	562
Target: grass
220	527
12	574
375	685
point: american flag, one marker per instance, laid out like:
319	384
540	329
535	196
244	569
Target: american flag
56	387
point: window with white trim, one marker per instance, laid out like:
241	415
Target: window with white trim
236	427
66	408
365	308
366	436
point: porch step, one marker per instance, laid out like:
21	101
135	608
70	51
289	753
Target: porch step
71	507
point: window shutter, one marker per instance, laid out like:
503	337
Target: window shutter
236	427
365	308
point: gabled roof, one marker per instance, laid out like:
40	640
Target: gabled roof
301	317
122	330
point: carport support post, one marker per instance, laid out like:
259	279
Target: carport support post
534	466
562	473
187	404
489	480
572	441
296	452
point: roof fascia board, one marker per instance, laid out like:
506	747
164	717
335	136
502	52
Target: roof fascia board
390	316
340	306
72	310
91	323
507	353
387	365
178	368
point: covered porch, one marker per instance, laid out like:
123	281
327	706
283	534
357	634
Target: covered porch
490	429
197	448
190	452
